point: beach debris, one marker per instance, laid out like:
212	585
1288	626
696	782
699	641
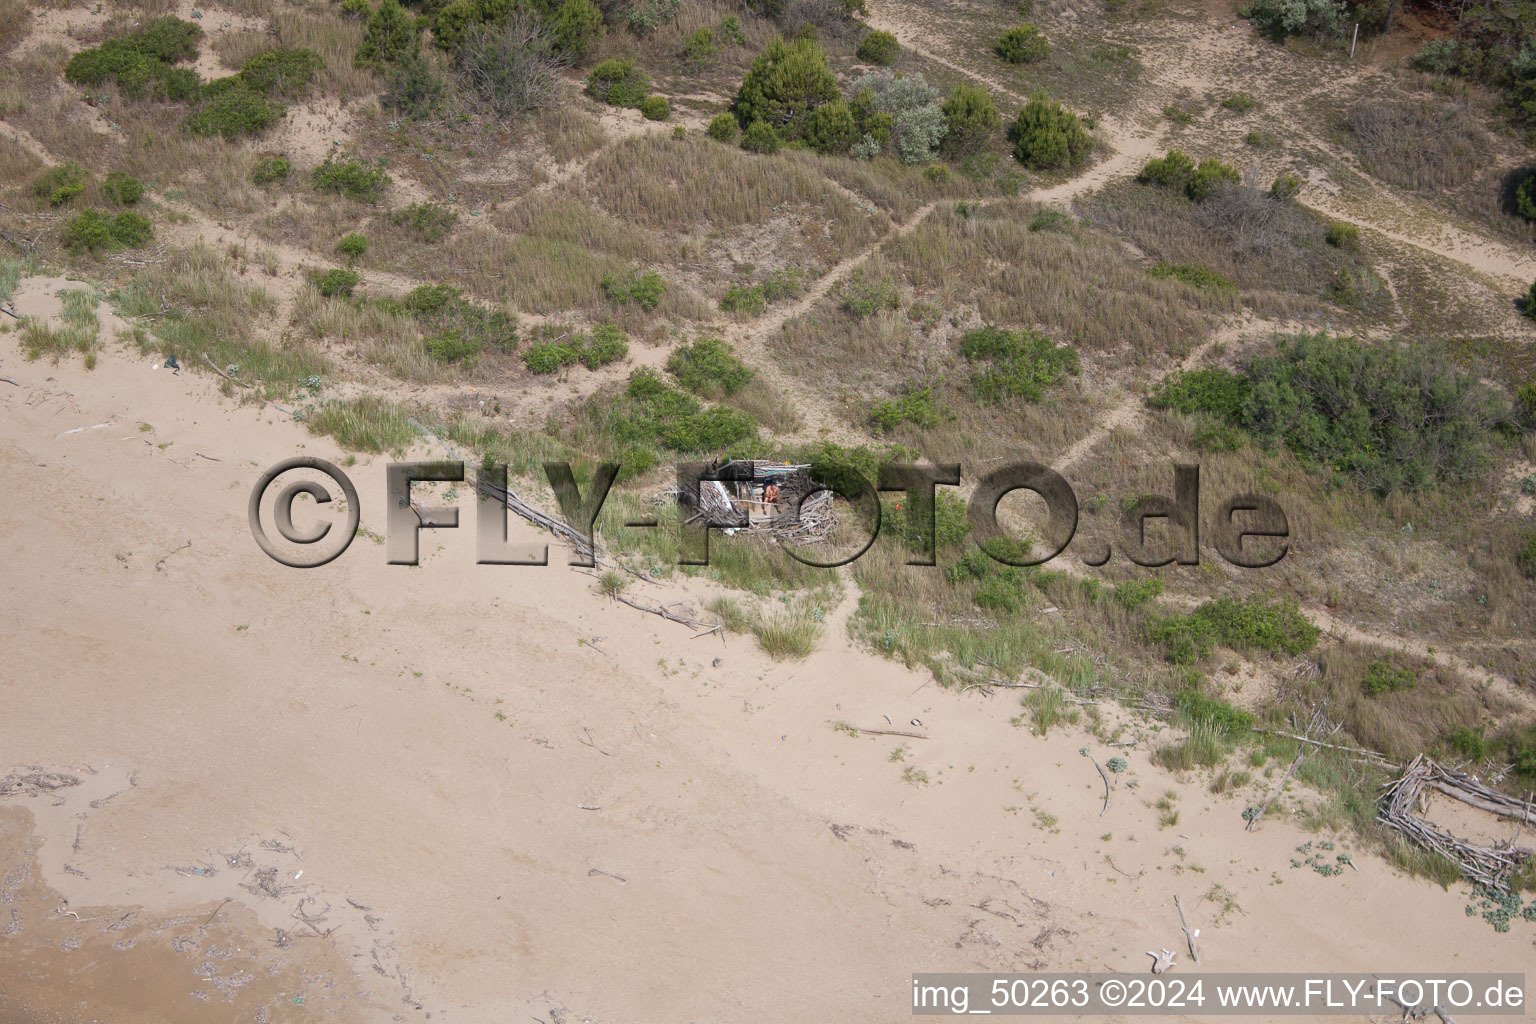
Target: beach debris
1161	960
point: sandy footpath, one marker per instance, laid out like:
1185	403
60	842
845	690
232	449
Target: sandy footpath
403	792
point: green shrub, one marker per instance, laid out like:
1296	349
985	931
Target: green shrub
644	290
1530	302
700	48
1240	102
122	188
830	128
1381	677
1525	556
60	184
1285	186
651	411
1525	197
282	72
1211	177
233	113
1196	709
1216	392
415	88
1023	44
1135	593
335	281
722	128
972	120
655	108
140	62
577	25
607	344
879	47
429	222
355	9
785	83
1281	18
760	138
1047	135
1171	171
618	82
351	177
1343	236
917	406
352	245
1191	274
1023	363
1198	181
863	298
88	231
92	231
1395	417
749	299
548	357
901	111
1241	624
270	169
442	311
451	348
392	37
731	32
709	368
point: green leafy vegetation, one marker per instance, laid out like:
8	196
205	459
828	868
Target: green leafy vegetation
428	222
655	108
917	406
1177	170
1047	135
94	232
455	328
1023	364
972	120
643	289
879	47
352	245
336	281
1023	44
270	169
786	82
122	188
618	82
352	178
1381	677
140	63
722	128
60	183
606	344
709	368
1251	624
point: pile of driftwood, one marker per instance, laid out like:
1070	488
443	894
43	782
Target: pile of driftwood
1486	865
803	514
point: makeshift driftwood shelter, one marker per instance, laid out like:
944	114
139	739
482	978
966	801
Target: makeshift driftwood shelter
1486	865
731	497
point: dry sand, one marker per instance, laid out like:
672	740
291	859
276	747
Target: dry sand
362	791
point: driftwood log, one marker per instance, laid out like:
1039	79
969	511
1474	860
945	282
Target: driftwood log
1486	865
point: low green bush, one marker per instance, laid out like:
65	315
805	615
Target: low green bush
1343	236
1525	197
700	47
60	184
1285	186
879	47
1381	677
122	188
1022	364
335	281
745	298
863	298
1217	392
1191	274
652	412
972	119
352	178
709	368
282	72
429	222
1240	102
1022	44
1136	593
644	290
234	112
93	231
442	312
1245	624
760	138
618	82
451	348
1525	555
1047	135
392	37
722	128
606	344
917	406
352	245
1530	302
655	108
270	169
140	62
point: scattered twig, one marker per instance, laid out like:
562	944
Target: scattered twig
589	742
894	732
210	458
216	911
77	430
1105	776
10	382
226	376
1189	936
619	878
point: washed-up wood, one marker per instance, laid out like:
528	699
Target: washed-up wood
1486	865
